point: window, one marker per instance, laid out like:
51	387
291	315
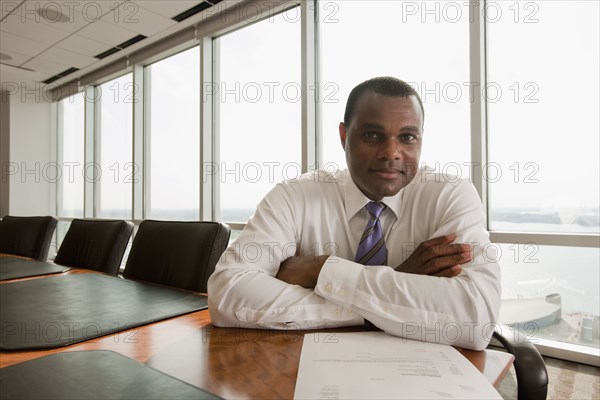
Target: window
258	98
71	156
543	169
61	231
544	297
360	40
543	120
114	141
172	130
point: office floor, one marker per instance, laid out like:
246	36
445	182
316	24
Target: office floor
567	380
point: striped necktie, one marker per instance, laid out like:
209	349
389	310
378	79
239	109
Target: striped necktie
371	248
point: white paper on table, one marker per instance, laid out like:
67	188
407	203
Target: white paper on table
373	365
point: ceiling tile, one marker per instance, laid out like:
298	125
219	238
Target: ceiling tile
167	9
89	11
18	76
80	12
82	45
20	44
6	7
68	57
106	33
32	30
17	58
31	13
46	66
140	20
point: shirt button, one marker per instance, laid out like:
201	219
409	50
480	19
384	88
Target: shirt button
338	311
342	291
328	287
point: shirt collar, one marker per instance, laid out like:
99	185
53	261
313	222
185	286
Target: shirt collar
355	200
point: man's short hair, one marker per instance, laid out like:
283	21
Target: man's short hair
385	85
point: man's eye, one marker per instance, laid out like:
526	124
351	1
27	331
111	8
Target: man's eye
408	138
370	135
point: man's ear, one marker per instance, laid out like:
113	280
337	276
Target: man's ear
342	129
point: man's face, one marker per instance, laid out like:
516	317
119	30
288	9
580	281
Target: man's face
383	143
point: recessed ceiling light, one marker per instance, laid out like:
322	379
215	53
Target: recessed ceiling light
52	14
5	57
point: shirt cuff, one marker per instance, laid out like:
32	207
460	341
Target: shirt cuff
338	281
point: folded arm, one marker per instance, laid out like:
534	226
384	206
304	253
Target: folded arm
435	257
244	290
441	293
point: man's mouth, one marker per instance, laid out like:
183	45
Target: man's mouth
387	173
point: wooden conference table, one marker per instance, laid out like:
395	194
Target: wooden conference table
229	362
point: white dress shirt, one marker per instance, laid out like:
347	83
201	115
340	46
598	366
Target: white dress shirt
322	213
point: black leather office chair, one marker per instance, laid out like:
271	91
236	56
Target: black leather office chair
95	244
530	369
178	254
27	236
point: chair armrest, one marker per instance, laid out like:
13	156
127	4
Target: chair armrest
532	376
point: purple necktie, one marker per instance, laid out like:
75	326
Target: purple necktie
371	248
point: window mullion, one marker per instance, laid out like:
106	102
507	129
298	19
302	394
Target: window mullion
92	113
310	94
209	131
546	239
477	75
138	211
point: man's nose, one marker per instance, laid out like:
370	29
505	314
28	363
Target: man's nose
390	150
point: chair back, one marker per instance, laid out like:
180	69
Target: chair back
178	254
27	236
95	244
530	368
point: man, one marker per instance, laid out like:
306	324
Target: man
382	241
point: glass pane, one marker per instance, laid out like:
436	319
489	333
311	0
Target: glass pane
115	141
551	292
72	151
549	97
59	235
173	96
423	43
234	235
258	97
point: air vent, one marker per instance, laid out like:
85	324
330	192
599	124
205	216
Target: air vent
193	11
107	53
50	80
120	47
131	41
60	75
68	71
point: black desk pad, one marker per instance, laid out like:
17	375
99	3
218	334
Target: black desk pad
14	267
96	374
62	310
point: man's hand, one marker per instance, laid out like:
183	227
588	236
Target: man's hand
303	271
438	257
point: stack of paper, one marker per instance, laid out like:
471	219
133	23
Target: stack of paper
373	365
